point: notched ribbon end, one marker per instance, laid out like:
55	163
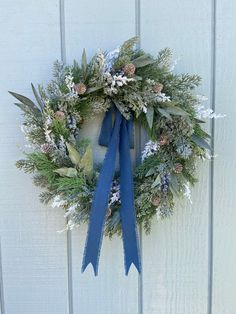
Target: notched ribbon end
85	265
136	265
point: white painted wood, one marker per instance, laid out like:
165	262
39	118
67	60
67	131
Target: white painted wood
33	253
175	256
224	250
102	25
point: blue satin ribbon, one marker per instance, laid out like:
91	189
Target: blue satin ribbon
116	137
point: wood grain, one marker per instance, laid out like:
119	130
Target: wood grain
33	253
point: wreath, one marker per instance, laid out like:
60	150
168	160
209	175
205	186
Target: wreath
126	85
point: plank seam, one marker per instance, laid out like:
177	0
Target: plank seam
138	152
62	30
2	301
69	240
212	127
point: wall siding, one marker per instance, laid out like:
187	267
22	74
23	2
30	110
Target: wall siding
188	260
33	253
175	255
224	201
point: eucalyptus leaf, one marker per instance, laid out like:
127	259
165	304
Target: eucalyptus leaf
174	181
93	89
175	110
205	134
84	61
27	102
174	191
150	172
164	113
137	78
23	107
200	142
37	97
199	120
73	154
142	61
150	116
87	160
66	172
156	182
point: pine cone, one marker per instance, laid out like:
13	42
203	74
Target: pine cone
156	201
163	140
60	115
178	168
80	88
46	148
157	88
129	69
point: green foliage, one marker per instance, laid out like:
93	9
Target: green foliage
126	52
44	166
59	129
70	186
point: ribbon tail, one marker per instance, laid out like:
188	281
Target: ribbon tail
100	201
106	129
127	211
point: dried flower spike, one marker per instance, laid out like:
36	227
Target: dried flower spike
129	69
80	88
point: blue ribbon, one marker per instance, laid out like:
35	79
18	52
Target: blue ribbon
117	136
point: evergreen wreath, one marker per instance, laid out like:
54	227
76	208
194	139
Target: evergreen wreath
142	88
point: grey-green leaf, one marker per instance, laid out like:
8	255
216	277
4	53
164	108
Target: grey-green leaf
84	61
37	97
73	154
142	61
67	172
27	102
164	113
150	172
87	160
150	116
23	107
175	110
156	182
93	89
200	142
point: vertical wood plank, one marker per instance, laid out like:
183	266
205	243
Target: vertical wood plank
105	25
175	255
2	302
33	253
224	231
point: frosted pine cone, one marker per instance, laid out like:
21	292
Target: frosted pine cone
80	88
157	88
60	115
178	168
163	140
129	69
156	201
46	148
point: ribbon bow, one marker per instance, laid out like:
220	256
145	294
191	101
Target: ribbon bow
114	136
